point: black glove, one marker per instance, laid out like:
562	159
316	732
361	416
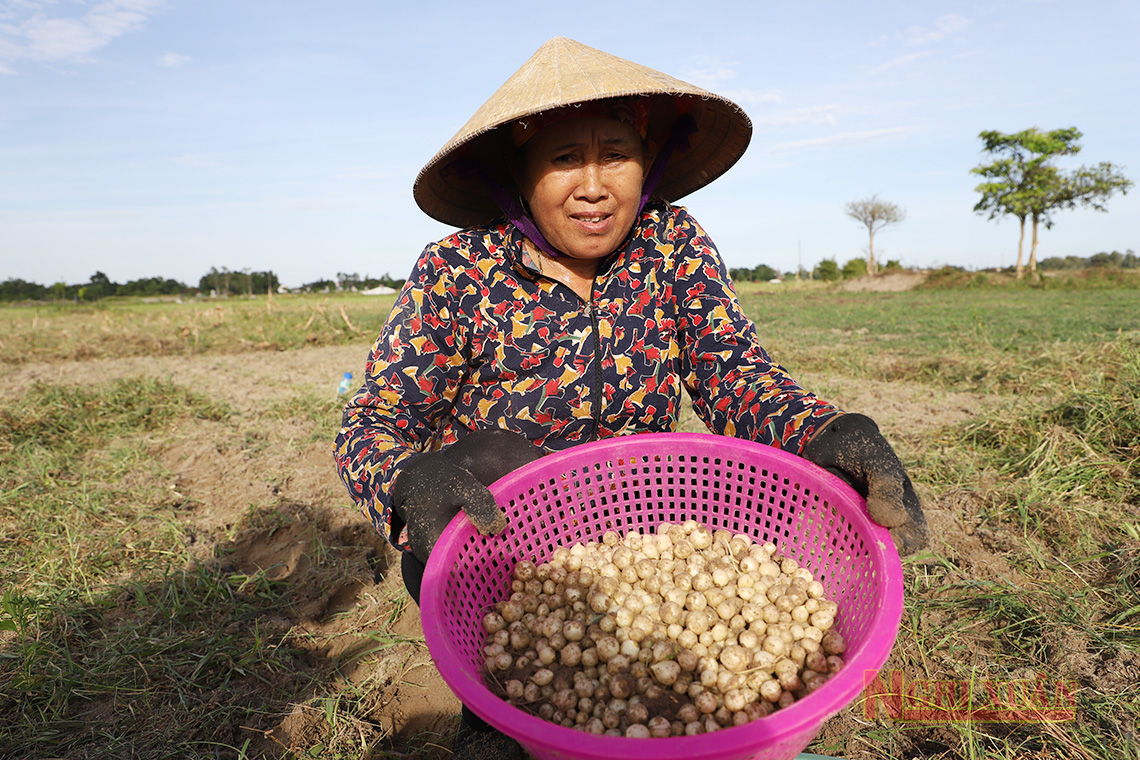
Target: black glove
851	447
432	488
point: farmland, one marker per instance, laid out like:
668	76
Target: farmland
182	575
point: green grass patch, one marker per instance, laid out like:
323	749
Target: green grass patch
81	498
1071	452
166	668
321	413
1000	341
131	327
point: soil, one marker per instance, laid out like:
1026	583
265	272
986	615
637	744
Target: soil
276	504
884	282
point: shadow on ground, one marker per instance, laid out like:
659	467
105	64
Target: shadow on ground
294	636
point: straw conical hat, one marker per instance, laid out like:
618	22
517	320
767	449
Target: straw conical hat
564	72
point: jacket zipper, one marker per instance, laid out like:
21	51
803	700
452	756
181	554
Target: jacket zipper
597	401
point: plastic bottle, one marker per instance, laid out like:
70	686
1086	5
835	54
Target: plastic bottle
345	384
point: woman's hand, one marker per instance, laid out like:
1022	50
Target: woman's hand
851	446
432	488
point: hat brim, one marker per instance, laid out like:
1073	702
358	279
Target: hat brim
449	190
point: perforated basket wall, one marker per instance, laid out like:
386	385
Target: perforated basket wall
635	483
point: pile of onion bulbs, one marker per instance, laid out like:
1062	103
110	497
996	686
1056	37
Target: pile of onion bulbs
678	632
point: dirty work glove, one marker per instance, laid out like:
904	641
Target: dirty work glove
432	488
851	447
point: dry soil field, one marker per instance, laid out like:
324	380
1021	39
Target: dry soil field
342	670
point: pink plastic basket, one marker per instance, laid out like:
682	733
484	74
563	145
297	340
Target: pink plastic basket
634	483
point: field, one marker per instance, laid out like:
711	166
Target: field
183	576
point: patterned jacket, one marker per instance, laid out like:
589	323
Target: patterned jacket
478	339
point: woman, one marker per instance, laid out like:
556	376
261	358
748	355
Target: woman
576	304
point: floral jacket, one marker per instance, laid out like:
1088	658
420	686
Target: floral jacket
478	339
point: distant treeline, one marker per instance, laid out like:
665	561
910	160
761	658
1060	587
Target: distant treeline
217	282
830	270
761	273
1126	260
226	282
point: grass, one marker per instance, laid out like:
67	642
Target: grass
995	341
130	672
129	327
77	486
117	638
121	637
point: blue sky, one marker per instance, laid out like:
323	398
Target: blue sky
162	137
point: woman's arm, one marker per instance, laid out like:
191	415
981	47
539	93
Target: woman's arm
737	388
411	377
739	391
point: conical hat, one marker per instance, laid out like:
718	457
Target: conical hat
564	72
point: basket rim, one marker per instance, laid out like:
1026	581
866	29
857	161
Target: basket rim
786	724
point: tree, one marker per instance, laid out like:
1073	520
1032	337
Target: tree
874	214
1005	191
1024	183
827	270
346	281
318	286
100	286
759	273
854	268
263	282
216	280
15	289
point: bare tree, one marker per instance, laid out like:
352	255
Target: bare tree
874	214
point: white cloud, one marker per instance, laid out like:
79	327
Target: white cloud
843	138
38	30
710	72
173	60
944	26
902	60
753	97
828	114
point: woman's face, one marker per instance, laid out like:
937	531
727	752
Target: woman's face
582	179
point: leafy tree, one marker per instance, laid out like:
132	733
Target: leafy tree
242	282
1007	179
386	280
217	280
151	286
874	214
1058	263
759	273
345	281
318	285
764	273
827	270
1127	260
1023	182
854	268
263	282
226	282
392	282
99	286
15	289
